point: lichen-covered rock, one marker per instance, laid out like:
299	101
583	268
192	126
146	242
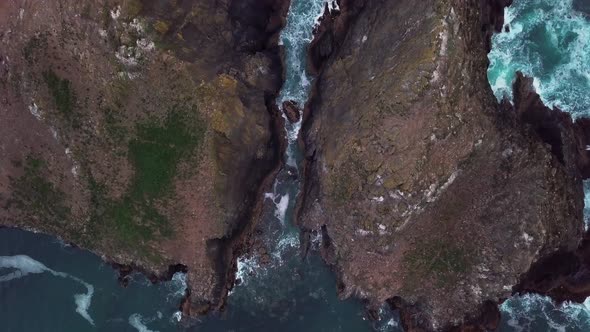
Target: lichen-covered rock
138	129
430	194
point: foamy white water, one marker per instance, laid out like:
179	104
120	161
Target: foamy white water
533	312
25	265
84	300
138	322
549	41
298	33
177	286
295	37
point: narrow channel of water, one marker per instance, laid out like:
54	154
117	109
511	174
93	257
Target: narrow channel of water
48	286
282	290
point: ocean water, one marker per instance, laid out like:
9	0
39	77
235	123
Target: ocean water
46	285
548	40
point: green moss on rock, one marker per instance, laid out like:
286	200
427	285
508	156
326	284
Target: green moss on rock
155	153
61	92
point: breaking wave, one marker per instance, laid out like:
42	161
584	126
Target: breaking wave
549	41
533	312
177	287
24	265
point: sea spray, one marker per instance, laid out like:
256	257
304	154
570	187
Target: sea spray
25	265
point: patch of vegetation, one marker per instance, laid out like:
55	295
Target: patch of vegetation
34	45
440	260
61	92
155	153
33	193
161	27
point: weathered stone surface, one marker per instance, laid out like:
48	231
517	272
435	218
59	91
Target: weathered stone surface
424	188
292	111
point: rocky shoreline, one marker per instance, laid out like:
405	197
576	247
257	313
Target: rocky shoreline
566	284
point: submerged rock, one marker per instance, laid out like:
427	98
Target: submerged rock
429	193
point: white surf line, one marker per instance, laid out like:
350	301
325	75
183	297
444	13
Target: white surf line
25	265
138	322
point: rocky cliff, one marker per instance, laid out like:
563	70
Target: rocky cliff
139	129
430	194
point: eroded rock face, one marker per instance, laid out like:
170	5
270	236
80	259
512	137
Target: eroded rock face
139	129
427	192
291	110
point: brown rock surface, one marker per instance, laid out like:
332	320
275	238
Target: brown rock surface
426	190
292	111
138	129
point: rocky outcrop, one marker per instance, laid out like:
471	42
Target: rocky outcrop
563	274
554	127
291	110
139	129
429	193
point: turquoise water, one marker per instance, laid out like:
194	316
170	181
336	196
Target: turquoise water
550	41
48	286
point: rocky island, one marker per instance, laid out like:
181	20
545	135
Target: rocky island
148	131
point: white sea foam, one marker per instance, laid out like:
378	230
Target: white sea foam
549	41
287	242
247	266
177	286
137	321
176	317
281	207
530	312
24	265
84	300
